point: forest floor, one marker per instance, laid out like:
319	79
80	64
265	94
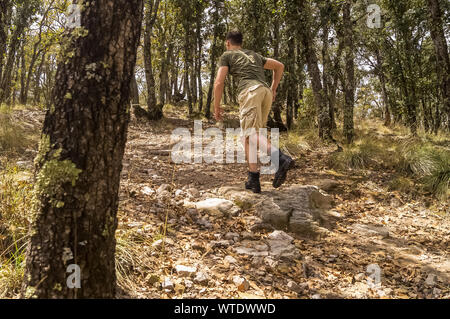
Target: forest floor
157	233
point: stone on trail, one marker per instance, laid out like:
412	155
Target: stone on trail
201	278
252	248
185	271
370	230
214	206
303	210
167	284
241	283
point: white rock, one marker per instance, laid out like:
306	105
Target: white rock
147	191
281	236
185	271
178	192
241	283
230	260
167	284
215	206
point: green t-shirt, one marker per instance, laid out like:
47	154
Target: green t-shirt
246	66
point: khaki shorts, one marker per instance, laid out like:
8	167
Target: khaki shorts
255	104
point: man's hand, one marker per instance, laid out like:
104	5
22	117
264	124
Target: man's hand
278	69
218	114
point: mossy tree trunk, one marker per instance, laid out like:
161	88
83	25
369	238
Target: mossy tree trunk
80	157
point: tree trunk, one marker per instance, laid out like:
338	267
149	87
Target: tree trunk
442	55
349	86
154	110
4	8
80	157
314	71
134	91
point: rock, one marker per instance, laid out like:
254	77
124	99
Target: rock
281	236
167	284
321	201
370	230
251	248
185	271
232	236
241	283
431	280
219	244
283	250
215	206
188	284
270	262
230	260
205	223
298	288
159	243
201	279
437	292
316	296
281	245
270	212
261	227
147	191
303	210
178	192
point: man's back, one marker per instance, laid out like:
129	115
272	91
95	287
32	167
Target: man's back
246	66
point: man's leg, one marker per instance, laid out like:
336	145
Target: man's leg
251	153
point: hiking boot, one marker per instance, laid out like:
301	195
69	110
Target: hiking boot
285	164
253	183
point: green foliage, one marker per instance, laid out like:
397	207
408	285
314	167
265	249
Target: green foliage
15	204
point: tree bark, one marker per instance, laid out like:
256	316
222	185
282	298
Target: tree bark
154	110
442	54
314	71
80	157
349	87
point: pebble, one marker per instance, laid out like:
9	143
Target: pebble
167	284
241	283
201	278
185	271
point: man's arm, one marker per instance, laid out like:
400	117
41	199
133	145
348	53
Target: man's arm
218	91
278	69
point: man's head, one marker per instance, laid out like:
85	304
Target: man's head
234	39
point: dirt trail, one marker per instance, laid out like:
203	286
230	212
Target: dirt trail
407	240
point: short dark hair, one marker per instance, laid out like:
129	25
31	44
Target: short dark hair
235	37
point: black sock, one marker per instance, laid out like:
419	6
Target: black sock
254	175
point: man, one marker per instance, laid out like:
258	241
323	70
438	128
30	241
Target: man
255	102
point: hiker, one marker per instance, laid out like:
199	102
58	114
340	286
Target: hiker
255	103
